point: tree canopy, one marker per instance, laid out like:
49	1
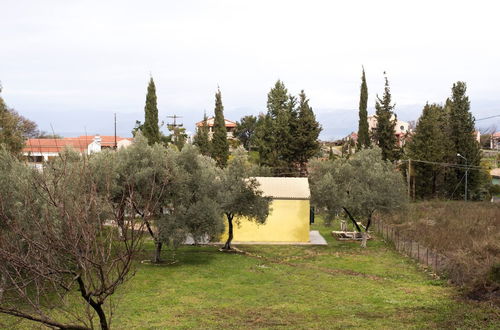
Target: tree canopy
357	186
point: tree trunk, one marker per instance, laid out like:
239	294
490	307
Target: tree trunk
227	246
102	316
364	235
352	219
158	246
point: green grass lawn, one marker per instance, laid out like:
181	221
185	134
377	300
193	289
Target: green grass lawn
302	287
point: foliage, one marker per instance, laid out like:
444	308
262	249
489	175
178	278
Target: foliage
178	137
150	128
194	209
240	196
148	172
358	186
462	132
384	134
14	128
363	133
431	142
245	130
57	237
201	139
219	145
287	136
306	133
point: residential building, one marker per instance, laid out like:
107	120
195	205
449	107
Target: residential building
495	141
39	150
290	215
230	127
402	128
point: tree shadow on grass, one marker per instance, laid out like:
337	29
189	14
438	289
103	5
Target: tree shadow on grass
185	255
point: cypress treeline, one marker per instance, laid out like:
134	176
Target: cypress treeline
441	135
286	137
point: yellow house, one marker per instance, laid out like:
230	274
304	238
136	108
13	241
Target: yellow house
288	220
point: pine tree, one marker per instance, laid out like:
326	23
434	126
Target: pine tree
219	146
385	134
150	128
462	128
277	99
201	139
306	133
430	142
363	134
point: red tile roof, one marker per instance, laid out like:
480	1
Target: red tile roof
78	143
210	122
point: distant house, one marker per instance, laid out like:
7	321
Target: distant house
401	129
290	216
230	127
39	150
495	141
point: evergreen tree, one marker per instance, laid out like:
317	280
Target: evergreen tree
306	133
201	139
385	134
150	128
277	99
462	128
219	145
363	134
430	142
245	130
264	139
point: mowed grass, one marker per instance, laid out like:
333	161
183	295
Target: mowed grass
300	287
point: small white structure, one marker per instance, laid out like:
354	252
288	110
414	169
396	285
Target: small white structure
401	129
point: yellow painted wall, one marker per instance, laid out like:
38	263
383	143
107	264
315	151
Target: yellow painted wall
288	221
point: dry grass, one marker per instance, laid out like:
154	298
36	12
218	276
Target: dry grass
468	234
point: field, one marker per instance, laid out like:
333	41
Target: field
334	286
467	234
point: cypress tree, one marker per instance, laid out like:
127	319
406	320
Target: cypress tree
385	134
430	142
150	128
306	133
219	145
462	128
201	138
363	134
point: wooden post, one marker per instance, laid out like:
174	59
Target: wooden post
418	252
408	175
427	257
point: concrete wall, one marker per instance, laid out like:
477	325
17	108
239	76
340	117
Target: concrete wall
287	222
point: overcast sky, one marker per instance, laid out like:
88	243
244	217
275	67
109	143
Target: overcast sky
72	64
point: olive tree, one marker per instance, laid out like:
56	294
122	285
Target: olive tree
58	243
357	186
194	209
240	197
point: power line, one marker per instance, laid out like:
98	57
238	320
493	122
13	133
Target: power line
488	117
470	167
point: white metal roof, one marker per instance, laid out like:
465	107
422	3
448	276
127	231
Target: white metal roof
286	188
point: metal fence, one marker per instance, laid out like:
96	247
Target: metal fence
408	246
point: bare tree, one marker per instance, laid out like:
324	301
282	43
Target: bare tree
56	240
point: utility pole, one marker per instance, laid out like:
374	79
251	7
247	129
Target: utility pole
116	144
173	127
